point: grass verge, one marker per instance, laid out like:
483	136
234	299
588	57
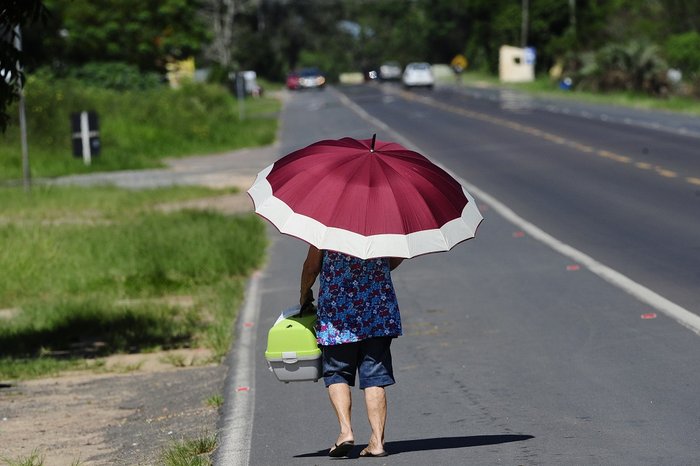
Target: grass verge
34	459
104	272
191	452
137	128
545	87
215	401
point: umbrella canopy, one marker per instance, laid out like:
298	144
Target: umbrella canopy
365	198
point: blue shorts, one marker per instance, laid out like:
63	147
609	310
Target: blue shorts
370	357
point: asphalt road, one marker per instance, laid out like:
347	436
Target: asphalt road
623	193
512	353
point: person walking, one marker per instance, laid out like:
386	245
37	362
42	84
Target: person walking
358	317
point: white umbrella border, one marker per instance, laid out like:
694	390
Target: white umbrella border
365	247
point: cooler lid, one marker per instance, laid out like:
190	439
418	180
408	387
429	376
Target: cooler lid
293	335
288	355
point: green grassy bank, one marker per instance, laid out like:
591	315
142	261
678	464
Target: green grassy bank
138	128
89	272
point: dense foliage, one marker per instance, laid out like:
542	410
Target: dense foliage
145	33
14	15
275	36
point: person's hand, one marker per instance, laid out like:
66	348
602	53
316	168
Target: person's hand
307	297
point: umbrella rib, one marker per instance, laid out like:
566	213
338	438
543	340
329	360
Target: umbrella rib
337	200
385	167
309	192
454	202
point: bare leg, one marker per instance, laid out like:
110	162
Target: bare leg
375	398
341	399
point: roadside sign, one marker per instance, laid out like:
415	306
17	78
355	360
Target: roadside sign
530	55
459	63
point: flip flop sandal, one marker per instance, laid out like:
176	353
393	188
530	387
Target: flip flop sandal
369	454
338	451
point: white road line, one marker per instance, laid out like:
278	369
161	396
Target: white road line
239	405
644	294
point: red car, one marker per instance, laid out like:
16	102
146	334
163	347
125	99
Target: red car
293	80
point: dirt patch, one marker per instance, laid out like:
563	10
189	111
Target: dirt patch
11	313
157	361
108	418
228	204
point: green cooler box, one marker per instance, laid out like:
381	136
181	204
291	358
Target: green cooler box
292	352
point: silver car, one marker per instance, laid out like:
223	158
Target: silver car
390	71
418	74
311	78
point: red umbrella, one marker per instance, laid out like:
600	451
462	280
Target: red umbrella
365	198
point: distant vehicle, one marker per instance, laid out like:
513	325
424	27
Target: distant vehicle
370	73
292	81
311	78
418	74
250	78
390	71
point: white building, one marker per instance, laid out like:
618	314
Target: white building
516	65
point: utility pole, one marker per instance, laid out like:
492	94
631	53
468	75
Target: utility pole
26	172
526	21
572	15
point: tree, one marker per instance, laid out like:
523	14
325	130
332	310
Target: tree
146	33
220	15
273	37
14	15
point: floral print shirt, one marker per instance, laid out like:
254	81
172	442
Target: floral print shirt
356	300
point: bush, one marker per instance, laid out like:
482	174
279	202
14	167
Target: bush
117	76
635	66
683	52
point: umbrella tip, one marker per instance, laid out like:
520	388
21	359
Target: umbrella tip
374	138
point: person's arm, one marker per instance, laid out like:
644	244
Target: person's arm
394	262
309	272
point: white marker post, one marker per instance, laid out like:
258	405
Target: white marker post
83	135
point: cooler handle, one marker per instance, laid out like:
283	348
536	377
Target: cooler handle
307	307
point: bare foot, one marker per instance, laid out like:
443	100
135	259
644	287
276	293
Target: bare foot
343	437
341	448
367	452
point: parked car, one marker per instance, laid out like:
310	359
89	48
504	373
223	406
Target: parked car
311	78
292	81
418	74
390	71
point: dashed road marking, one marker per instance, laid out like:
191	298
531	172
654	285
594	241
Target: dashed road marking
666	173
613	156
642	293
554	138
